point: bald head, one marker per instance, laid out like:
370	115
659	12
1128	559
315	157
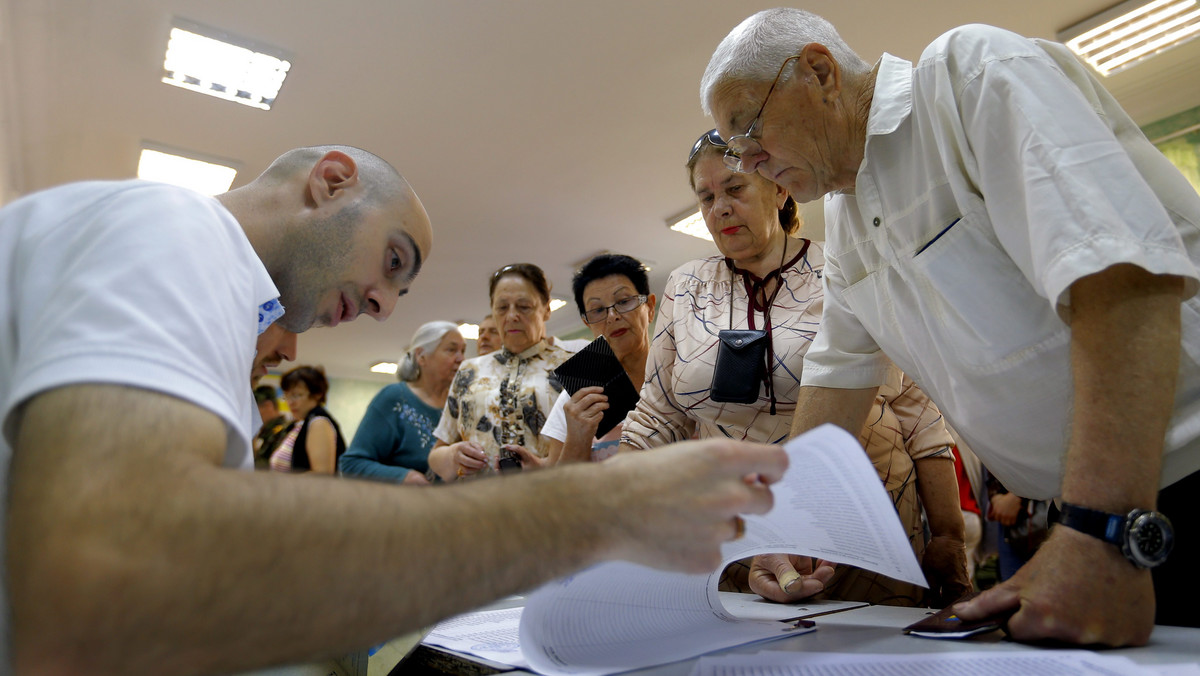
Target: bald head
339	230
382	182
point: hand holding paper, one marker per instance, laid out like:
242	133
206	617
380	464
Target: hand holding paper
619	616
786	578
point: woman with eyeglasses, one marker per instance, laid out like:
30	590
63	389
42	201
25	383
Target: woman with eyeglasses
613	295
498	403
726	360
315	440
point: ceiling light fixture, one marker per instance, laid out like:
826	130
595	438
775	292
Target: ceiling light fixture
1132	32
211	62
556	303
691	223
169	166
386	367
469	331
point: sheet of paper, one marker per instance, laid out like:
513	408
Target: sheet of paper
831	505
981	663
619	616
755	607
490	634
622	616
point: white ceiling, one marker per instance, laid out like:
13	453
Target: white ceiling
533	130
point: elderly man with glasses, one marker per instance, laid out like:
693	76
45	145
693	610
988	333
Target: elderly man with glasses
1001	230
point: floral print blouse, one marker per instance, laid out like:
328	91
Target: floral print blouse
502	398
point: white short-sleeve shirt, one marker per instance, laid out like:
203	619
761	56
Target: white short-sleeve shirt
997	172
131	283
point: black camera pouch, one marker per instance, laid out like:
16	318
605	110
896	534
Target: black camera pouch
741	361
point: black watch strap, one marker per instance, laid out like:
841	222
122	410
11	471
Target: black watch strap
1103	525
1143	536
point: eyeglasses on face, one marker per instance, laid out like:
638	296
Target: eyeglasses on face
623	306
746	144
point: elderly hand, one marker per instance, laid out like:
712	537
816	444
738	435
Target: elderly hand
1004	508
529	459
469	458
1076	589
673	508
945	567
414	478
787	578
584	411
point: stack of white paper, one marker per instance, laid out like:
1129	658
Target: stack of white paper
620	616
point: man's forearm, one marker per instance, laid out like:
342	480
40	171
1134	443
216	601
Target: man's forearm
171	554
1125	344
847	409
129	550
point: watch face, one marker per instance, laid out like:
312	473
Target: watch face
1149	539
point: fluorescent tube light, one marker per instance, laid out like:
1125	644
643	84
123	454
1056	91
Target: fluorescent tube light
691	223
202	176
385	367
1132	32
210	62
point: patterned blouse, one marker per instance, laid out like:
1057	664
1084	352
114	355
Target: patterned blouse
701	298
704	296
502	398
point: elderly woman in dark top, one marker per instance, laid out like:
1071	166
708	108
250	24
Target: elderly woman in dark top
396	433
315	442
499	402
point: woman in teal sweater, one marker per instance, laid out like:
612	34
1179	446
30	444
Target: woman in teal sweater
393	440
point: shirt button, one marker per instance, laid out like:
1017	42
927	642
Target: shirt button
876	221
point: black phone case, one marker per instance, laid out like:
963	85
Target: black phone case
738	374
597	365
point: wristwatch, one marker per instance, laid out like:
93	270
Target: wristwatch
1143	536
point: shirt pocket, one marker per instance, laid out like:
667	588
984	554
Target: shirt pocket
981	310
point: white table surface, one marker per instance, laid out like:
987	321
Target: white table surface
876	629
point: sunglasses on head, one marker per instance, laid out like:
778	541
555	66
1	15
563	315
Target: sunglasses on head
711	137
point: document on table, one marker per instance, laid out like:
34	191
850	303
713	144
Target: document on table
985	663
494	635
490	634
620	616
755	607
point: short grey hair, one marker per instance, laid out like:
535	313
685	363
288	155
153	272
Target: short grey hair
758	46
426	337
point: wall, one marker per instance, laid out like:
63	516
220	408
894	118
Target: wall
1178	137
348	400
8	104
